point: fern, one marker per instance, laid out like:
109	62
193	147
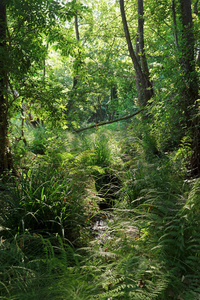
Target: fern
35	268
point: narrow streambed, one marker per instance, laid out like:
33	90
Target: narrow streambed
103	229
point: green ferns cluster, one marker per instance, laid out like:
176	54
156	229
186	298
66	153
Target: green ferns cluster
149	248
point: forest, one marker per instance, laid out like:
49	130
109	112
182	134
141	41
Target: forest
99	149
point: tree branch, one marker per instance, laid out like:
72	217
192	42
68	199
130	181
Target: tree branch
109	122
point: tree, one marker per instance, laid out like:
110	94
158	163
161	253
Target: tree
5	157
190	87
24	26
175	23
187	57
77	64
102	66
143	84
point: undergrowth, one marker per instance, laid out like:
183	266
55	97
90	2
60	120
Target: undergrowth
150	247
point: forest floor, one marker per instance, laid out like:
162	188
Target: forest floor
58	243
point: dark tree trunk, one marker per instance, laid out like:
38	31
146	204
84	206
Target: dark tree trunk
76	28
190	92
196	11
190	79
143	59
175	23
5	154
76	71
143	84
75	80
196	7
137	48
114	103
44	64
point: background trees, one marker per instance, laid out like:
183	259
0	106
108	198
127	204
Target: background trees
96	80
24	29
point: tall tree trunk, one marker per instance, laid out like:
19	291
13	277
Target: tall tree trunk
76	28
44	64
187	58
190	90
143	59
75	78
196	11
143	84
175	23
5	154
196	7
137	47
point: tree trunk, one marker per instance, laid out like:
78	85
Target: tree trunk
75	78
76	28
196	11
143	59
143	84
44	64
196	7
5	154
190	90
175	23
187	59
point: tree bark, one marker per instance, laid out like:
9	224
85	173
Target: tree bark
143	59
187	57
196	7
190	79
143	84
175	23
196	11
44	64
5	153
75	78
76	28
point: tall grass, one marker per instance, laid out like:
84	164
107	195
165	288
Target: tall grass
43	202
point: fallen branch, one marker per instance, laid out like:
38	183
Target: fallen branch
109	122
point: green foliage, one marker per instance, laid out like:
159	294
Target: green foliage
40	141
102	150
149	248
44	201
155	247
33	267
45	100
184	152
100	146
166	124
33	20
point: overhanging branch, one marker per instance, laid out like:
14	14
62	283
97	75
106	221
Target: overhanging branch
109	122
